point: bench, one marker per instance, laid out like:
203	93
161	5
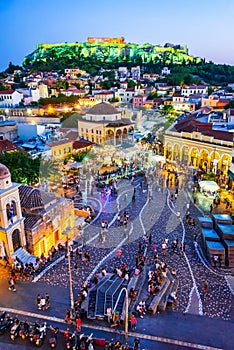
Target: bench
172	288
158	297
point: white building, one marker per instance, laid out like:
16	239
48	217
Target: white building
10	98
165	71
123	72
29	95
104	96
125	95
194	89
136	73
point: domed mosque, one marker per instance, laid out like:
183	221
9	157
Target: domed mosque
104	124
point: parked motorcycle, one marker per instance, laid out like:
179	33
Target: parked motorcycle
14	331
89	342
2	317
53	338
38	334
136	344
24	330
6	323
69	341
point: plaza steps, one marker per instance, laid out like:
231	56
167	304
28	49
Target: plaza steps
104	295
92	296
24	257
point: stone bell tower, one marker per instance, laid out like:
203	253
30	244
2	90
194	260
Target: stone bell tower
12	234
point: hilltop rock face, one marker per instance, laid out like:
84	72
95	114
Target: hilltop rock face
110	52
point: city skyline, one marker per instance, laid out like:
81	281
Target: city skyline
196	24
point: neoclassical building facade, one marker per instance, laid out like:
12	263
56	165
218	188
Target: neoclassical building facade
104	124
31	220
196	144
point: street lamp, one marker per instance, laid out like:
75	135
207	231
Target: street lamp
66	233
126	309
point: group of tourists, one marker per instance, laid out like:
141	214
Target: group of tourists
122	220
43	302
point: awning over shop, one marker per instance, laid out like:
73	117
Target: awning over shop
208	186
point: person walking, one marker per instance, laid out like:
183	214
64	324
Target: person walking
211	208
12	285
87	258
42	304
133	322
68	316
205	288
13	275
78	324
109	314
38	301
150	239
119	253
47	300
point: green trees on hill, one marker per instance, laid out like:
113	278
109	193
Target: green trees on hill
60	100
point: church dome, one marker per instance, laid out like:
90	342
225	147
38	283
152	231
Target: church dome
103	108
4	172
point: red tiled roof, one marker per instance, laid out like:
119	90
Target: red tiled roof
7	92
30	220
58	143
81	144
189	124
6	145
105	93
33	198
63	129
72	135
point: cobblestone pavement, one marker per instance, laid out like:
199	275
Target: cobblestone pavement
158	217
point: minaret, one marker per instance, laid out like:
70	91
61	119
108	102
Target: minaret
12	234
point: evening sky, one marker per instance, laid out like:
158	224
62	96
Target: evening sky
205	26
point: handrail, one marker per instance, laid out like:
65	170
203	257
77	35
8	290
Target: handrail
126	316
